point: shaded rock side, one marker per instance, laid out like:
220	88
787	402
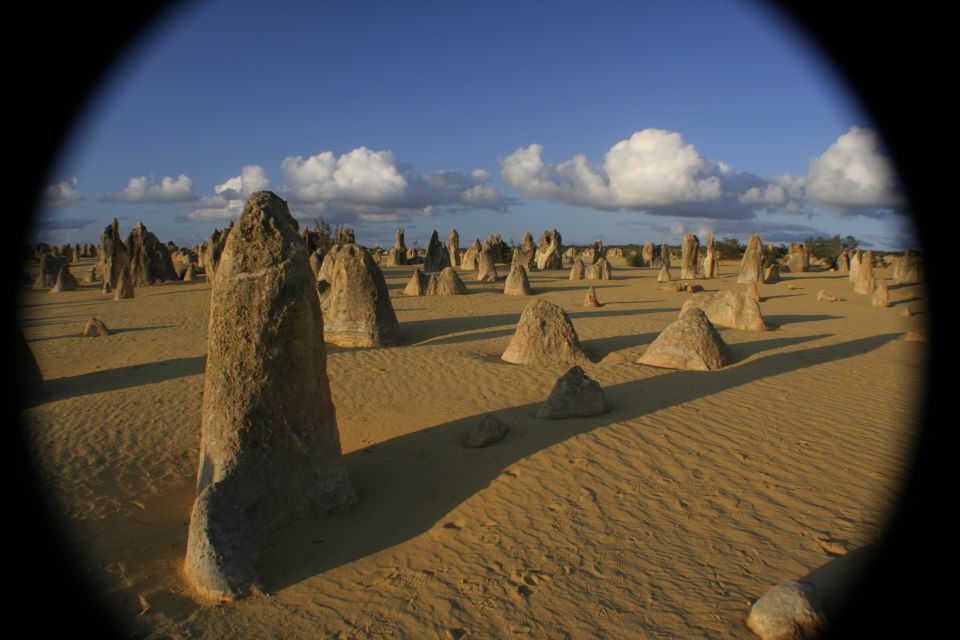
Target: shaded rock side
711	262
574	395
490	430
436	257
690	343
94	328
906	269
517	283
590	300
863	281
486	269
728	309
354	299
453	247
599	270
269	448
689	257
771	275
124	290
579	270
544	337
471	257
550	251
150	259
791	610
65	281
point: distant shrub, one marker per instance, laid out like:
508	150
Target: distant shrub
634	259
728	249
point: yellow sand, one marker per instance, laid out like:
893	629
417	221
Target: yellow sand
664	518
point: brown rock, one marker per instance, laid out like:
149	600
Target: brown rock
489	431
486	269
65	281
918	335
124	285
453	247
863	281
354	299
789	611
751	267
550	251
728	309
690	257
664	275
771	275
445	283
753	290
191	273
526	254
690	343
113	254
711	263
517	283
823	296
150	259
437	256
599	270
648	254
574	395
544	337
907	311
269	448
797	259
471	258
591	299
94	328
906	270
881	295
579	270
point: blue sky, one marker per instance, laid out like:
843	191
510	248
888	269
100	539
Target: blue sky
620	121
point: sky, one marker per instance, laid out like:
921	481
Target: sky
624	122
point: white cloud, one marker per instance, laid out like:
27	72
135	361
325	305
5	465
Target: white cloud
63	193
853	173
147	189
252	178
650	169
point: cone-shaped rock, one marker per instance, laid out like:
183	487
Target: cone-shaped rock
550	251
517	283
354	299
191	273
150	259
417	284
471	256
486	269
579	270
591	298
49	270
691	343
789	611
863	281
94	328
664	274
751	267
65	281
690	257
728	309
574	395
711	263
437	256
445	283
269	447
881	295
855	261
599	270
113	254
544	337
124	285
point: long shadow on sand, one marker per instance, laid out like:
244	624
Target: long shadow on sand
778	321
407	485
118	378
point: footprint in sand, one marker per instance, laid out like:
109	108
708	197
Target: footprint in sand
527	582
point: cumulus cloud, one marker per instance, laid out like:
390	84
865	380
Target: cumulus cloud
652	168
63	193
147	189
656	171
230	195
374	184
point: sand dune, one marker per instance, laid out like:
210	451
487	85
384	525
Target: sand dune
666	517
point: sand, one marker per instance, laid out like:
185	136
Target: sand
666	517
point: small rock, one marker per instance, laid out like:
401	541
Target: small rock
489	431
917	336
789	611
574	395
95	328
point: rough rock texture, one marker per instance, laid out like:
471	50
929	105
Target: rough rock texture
690	257
124	288
591	298
190	274
855	263
453	247
398	254
664	275
544	337
843	262
315	260
486	269
269	448
550	251
471	257
445	283
113	254
797	259
517	283
65	281
753	290
574	395
579	270
906	270
94	328
354	299
711	262
436	257
489	431
49	269
599	270
91	276
771	274
751	267
823	296
728	309
690	343
863	281
881	295
212	250
789	611
150	259
526	254
648	254
664	256
498	247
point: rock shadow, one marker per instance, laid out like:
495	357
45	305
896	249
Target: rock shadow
408	485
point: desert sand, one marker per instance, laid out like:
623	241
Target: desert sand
666	517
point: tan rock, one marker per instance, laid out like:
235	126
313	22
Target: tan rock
771	275
797	259
445	283
545	337
517	283
65	280
918	335
711	262
648	254
579	270
453	247
471	258
269	447
664	275
591	298
599	270
124	289
690	343
526	254
690	257
823	296
906	270
486	269
728	309
753	290
789	611
94	328
863	281
881	295
574	395
436	257
907	311
550	251
751	267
